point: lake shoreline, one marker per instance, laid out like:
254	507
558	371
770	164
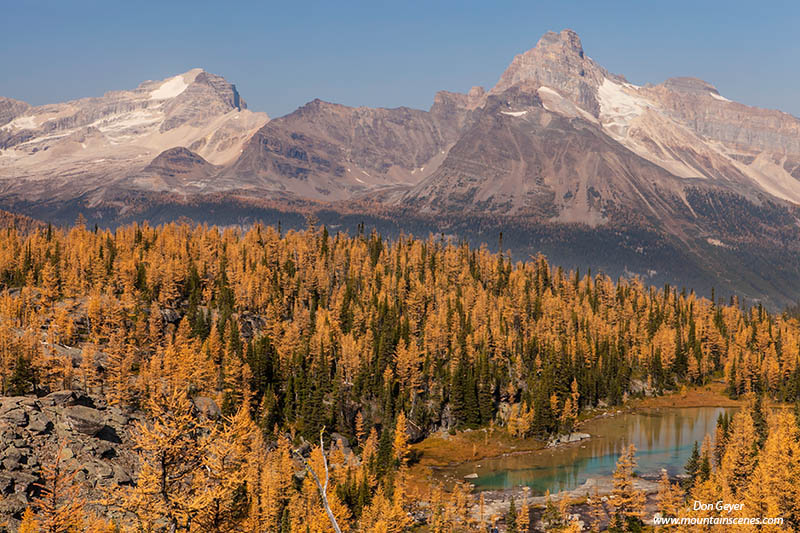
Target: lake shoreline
497	502
663	438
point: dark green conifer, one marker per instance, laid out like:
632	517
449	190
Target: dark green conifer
692	466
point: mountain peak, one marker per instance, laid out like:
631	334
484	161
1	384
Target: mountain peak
567	40
559	63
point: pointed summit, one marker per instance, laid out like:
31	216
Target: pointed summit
559	63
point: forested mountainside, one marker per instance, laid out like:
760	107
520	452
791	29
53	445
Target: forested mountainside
371	343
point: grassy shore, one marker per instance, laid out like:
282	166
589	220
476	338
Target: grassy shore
711	395
443	449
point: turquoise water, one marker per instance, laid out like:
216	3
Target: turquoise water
663	438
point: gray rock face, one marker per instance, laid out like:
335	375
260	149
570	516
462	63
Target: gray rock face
179	168
176	161
84	419
14	504
693	86
638	385
14	458
117	417
750	130
340	440
170	316
121	476
16	416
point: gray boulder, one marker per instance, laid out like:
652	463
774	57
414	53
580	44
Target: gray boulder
340	440
14	458
66	398
207	407
39	424
117	416
24	482
15	416
13	505
121	477
100	470
84	419
6	483
170	316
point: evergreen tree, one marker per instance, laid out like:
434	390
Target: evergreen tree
759	420
511	517
704	471
23	378
692	466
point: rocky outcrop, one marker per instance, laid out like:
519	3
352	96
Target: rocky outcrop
568	438
92	438
751	130
177	169
207	407
690	86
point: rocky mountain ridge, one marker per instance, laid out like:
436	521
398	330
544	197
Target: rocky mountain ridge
682	126
327	151
330	152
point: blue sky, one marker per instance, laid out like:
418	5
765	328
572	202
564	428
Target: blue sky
281	55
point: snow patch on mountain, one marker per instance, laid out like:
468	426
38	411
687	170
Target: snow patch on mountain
548	90
127	124
169	89
719	97
618	107
21	123
555	103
